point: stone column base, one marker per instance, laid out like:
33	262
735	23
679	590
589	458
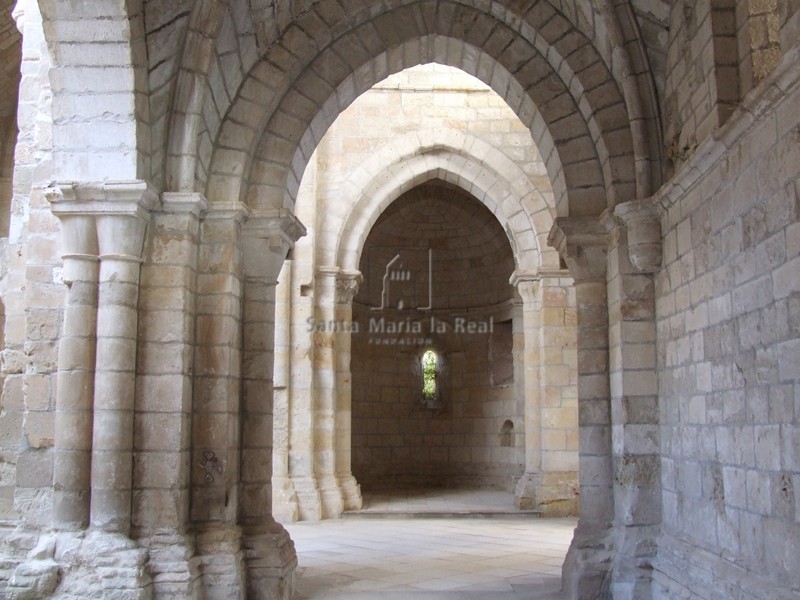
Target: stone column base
270	562
284	500
526	495
586	574
633	561
552	494
173	565
351	492
309	504
331	495
221	561
92	565
37	576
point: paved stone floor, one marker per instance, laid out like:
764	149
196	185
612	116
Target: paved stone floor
396	558
438	501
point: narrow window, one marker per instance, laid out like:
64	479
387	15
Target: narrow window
507	434
429	387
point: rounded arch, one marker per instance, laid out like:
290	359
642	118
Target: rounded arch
567	82
464	161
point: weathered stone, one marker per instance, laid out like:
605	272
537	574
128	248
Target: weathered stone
653	144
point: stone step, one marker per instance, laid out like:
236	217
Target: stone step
442	514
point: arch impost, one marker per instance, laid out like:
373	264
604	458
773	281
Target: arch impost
583	243
642	219
521	276
266	239
280	227
553	273
135	198
234	211
193	203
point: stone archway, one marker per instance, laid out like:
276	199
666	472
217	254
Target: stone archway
515	192
222	226
458	301
522	205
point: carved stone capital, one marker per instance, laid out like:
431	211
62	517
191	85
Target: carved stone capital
643	222
347	283
527	284
107	218
583	243
125	198
266	239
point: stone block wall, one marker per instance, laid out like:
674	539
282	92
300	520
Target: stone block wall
728	322
33	294
399	441
702	55
719	50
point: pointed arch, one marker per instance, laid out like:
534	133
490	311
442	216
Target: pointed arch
536	60
524	212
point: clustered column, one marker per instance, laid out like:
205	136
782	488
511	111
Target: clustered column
76	362
104	227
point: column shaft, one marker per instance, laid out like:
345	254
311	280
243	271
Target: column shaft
115	371
258	337
528	486
76	363
551	416
583	243
634	401
269	555
284	499
216	404
346	288
325	394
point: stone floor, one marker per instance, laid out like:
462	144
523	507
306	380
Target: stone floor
397	558
438	501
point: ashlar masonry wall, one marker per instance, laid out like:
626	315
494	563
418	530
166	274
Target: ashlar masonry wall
471	434
728	319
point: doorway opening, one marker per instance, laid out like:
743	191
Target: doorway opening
432	363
